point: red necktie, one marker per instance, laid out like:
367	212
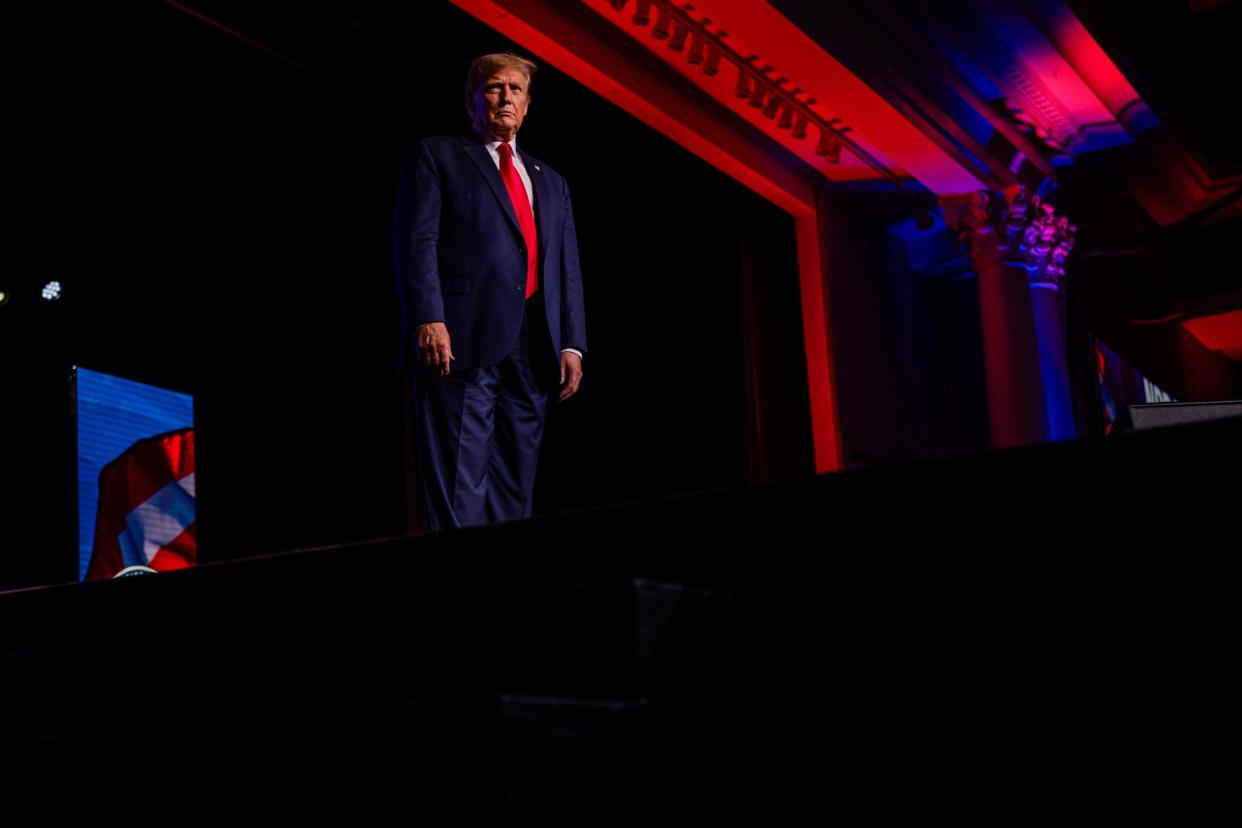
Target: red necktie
525	216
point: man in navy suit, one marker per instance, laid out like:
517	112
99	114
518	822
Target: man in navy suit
491	293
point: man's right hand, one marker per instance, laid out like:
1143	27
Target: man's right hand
433	341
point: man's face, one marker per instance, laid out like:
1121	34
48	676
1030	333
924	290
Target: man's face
500	103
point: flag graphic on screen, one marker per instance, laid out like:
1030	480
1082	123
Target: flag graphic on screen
146	507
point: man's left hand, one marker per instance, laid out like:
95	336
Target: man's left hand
571	374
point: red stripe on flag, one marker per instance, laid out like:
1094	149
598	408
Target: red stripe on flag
179	553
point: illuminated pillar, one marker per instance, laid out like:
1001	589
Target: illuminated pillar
1019	247
1047	310
1011	365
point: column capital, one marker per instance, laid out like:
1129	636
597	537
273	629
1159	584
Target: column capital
1028	230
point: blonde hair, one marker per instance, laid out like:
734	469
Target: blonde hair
482	68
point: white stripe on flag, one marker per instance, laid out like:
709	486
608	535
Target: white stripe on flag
164	516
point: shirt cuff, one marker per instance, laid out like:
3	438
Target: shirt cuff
572	351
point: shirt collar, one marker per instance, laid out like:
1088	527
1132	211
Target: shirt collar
494	147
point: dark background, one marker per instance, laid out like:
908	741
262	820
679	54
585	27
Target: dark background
218	207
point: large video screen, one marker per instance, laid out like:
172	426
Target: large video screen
135	446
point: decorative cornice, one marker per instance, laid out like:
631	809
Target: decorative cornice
1028	108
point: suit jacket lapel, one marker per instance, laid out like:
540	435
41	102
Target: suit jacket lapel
487	167
545	207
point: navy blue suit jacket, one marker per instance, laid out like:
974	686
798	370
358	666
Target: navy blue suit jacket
461	258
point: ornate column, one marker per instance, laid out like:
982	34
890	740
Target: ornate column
1018	248
1039	242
